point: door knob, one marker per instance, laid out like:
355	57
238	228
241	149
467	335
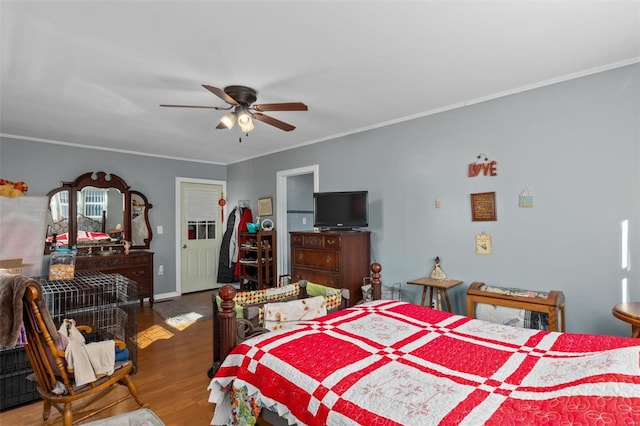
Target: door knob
184	246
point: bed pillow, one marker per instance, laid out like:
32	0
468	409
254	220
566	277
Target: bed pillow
238	308
314	290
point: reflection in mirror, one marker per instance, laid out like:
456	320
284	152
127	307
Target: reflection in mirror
98	209
58	218
140	227
139	231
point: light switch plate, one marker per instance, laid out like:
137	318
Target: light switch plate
160	229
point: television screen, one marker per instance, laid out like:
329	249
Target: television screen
340	210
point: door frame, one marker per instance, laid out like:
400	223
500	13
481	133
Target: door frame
281	208
178	248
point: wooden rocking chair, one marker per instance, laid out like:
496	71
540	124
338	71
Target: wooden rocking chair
49	366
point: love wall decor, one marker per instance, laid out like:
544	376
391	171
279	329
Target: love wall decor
486	167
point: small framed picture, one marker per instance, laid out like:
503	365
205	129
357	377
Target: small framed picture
265	206
483	206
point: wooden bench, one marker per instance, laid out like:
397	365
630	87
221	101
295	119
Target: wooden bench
549	303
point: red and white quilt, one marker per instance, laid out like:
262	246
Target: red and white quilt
395	363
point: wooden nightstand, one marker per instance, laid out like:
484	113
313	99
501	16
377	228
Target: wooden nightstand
440	286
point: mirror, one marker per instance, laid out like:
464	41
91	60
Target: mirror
102	211
140	227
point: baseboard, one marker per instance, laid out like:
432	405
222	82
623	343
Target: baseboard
165	295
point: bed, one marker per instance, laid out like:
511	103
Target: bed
387	362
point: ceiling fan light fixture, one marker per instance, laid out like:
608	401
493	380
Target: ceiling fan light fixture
245	121
228	120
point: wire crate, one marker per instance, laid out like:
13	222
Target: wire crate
105	302
16	389
13	359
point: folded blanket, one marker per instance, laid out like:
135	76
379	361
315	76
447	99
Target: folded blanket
12	288
285	314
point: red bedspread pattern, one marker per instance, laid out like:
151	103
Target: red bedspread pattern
394	363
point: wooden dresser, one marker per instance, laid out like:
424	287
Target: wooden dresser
137	266
334	259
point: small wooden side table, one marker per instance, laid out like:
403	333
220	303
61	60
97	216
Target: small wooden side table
629	312
440	286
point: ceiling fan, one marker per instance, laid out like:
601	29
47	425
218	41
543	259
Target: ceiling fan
243	109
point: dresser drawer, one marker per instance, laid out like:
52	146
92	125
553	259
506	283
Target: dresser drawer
316	277
136	266
327	260
316	240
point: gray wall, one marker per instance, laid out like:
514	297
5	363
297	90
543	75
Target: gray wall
43	166
300	202
575	144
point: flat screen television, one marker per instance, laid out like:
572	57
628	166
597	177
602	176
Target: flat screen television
347	210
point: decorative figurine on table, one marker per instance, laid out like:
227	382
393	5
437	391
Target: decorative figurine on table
437	273
127	245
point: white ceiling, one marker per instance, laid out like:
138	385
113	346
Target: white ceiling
93	73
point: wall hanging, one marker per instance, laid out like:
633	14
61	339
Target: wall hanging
483	243
483	207
265	206
526	198
486	167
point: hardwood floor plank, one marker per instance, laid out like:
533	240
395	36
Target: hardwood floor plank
171	377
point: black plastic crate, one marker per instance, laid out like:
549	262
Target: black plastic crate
14	359
16	389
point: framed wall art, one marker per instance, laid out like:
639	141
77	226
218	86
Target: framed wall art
265	206
483	207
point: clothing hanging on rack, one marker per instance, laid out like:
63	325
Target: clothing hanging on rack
226	265
245	217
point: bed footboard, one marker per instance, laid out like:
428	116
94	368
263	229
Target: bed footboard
225	324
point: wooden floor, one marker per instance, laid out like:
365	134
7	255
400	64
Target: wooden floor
171	377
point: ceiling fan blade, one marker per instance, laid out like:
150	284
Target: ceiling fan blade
284	106
221	126
221	94
274	122
194	106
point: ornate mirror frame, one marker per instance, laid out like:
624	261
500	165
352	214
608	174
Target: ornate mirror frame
106	181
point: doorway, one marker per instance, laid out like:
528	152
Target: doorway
282	208
199	229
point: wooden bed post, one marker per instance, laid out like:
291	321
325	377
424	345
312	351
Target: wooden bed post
227	321
376	283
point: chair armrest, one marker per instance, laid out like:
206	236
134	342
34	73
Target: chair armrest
84	328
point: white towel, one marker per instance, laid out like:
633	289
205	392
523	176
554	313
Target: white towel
102	356
87	361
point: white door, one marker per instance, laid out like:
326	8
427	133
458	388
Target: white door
200	235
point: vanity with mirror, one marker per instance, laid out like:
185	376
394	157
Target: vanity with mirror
108	224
